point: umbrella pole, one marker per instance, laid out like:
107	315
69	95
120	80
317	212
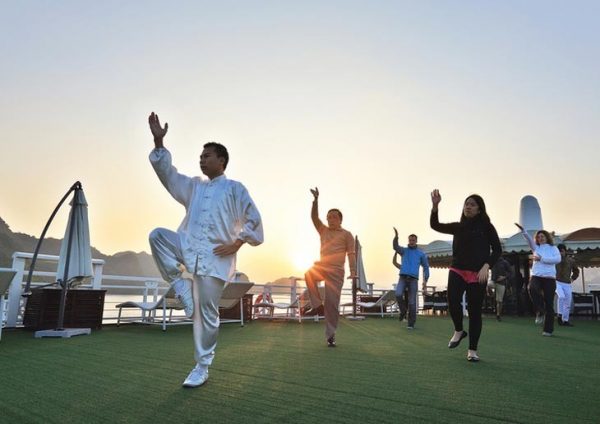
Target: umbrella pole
65	283
354	297
354	280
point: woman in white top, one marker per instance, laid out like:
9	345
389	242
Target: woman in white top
543	276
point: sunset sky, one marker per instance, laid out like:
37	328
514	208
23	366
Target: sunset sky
374	102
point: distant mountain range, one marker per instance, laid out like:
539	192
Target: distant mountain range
121	263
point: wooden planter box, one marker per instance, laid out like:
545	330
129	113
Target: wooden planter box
234	311
84	309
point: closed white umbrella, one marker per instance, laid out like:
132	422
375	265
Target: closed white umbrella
359	281
75	260
361	284
75	248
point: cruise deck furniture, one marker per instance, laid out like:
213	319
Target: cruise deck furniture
6	276
83	311
596	294
299	304
233	293
149	309
440	302
583	304
386	299
271	306
262	307
427	302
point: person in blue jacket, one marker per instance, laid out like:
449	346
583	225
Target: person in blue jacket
412	259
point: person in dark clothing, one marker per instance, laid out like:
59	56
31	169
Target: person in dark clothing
501	276
475	249
566	272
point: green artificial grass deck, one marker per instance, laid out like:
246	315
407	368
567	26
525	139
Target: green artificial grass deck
282	372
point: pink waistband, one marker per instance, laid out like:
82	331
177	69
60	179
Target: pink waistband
470	277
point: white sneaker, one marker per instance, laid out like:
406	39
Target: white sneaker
197	376
183	292
539	319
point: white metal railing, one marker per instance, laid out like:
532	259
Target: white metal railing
115	283
110	283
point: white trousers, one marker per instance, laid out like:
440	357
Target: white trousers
564	292
207	291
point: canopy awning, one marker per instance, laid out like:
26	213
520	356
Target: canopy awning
584	242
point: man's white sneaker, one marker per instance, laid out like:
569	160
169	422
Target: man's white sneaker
539	319
197	376
183	292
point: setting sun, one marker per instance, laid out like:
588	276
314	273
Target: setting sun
303	259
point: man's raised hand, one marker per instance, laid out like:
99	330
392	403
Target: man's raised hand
157	131
436	198
395	232
315	193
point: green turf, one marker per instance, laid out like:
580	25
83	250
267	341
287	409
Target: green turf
283	372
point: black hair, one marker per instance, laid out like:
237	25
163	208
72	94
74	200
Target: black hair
561	246
482	211
220	150
339	212
413	235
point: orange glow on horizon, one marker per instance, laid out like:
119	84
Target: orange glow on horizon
303	260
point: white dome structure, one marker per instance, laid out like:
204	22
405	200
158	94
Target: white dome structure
530	214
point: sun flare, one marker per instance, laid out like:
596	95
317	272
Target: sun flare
303	260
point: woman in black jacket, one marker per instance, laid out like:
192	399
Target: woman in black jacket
475	249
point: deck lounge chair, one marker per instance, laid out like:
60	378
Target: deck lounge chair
6	276
271	306
299	305
233	293
166	302
386	299
583	303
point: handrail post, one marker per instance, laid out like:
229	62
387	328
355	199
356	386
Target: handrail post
97	270
14	294
293	294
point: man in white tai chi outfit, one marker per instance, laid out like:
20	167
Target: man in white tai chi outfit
220	217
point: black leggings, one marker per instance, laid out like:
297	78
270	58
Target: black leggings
542	292
475	295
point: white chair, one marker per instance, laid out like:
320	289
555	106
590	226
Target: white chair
271	306
262	305
298	304
6	276
149	308
233	293
386	299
